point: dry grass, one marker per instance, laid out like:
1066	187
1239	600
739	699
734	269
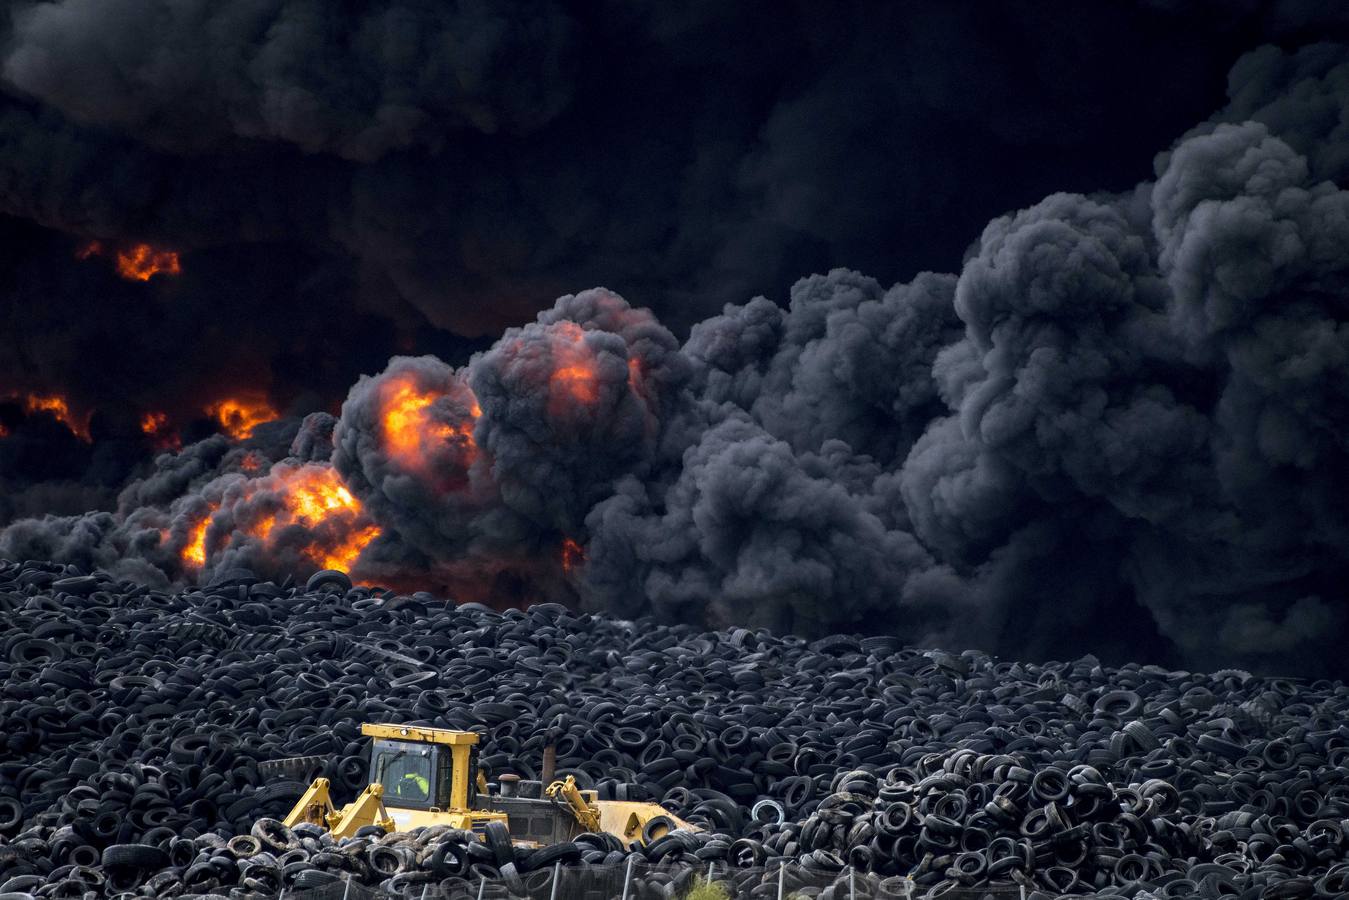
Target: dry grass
707	890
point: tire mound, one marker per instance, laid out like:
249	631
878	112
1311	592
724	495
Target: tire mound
153	740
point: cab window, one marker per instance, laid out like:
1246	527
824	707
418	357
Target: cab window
406	774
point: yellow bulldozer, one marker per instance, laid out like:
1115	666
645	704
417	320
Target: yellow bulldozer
429	776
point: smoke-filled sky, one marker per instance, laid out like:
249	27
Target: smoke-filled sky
1019	325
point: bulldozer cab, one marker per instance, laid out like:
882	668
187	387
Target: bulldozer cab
423	768
413	775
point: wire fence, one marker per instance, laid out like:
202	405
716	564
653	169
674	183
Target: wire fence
638	880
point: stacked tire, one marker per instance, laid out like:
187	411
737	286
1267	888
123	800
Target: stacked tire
153	739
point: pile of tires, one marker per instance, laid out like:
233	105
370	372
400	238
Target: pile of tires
143	732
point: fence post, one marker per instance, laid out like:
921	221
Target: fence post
347	890
482	885
709	870
1022	887
557	875
426	887
852	883
627	876
782	871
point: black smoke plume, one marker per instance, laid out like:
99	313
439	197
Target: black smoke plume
1119	427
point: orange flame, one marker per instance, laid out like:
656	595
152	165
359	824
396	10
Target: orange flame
155	425
315	493
345	554
238	416
573	555
59	409
314	496
410	430
262	527
575	378
308	506
579	381
194	554
139	262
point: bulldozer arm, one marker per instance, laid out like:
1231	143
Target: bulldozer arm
314	806
366	809
567	792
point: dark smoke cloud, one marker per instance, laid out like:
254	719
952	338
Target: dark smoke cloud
314	438
574	400
428	479
1118	427
847	360
753	532
346	183
190	78
459	165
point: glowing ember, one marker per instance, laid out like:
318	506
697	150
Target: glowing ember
142	262
139	262
155	425
56	406
411	431
575	379
573	555
238	416
252	462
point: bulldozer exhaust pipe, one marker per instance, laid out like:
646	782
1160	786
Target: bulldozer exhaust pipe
549	764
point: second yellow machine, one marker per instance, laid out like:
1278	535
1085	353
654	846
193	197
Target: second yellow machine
428	776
